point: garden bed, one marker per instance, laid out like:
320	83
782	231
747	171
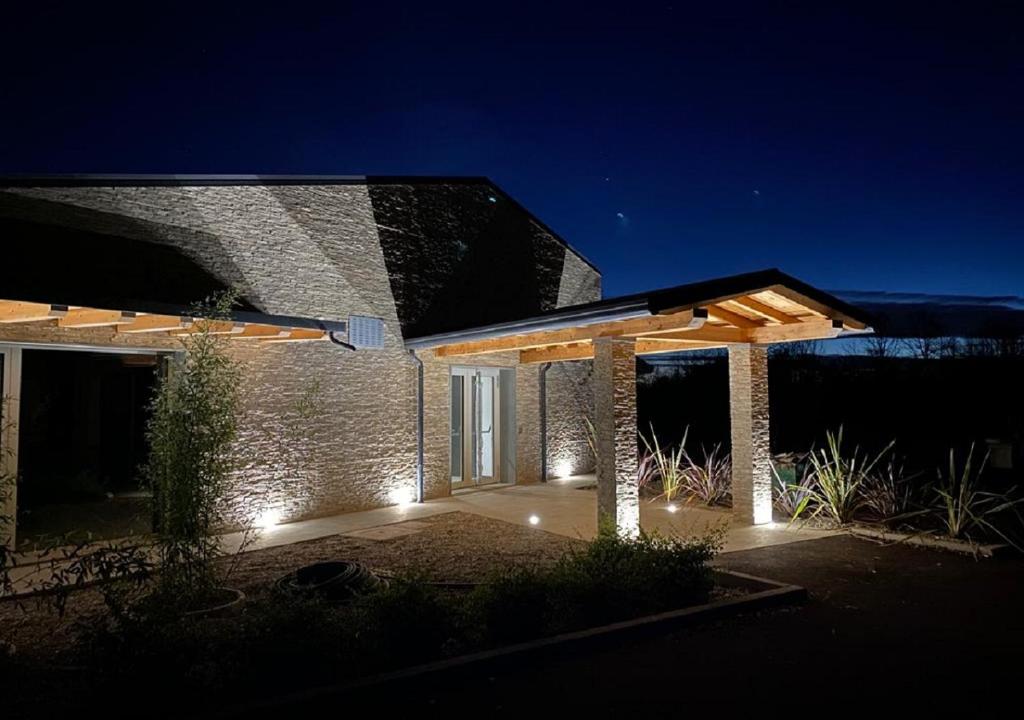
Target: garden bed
735	593
463	585
928	540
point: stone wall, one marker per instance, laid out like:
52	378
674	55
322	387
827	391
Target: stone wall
437	406
316	251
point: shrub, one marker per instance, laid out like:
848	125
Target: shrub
7	489
408	622
710	480
789	496
610	579
965	510
837	480
890	492
192	426
668	464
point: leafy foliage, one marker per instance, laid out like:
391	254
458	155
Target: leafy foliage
835	489
612	578
891	492
710	480
669	465
790	497
192	426
964	509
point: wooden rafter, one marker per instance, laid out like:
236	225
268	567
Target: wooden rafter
639	326
817	329
125	322
252	332
88	317
213	327
585	350
155	323
26	312
733	318
296	335
766	310
816	307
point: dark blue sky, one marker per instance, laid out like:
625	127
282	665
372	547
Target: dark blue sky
668	142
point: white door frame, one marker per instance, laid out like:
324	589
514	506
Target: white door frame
469	429
10	397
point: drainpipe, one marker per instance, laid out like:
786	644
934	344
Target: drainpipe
544	421
342	343
419	425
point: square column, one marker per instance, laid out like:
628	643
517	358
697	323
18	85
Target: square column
614	379
751	457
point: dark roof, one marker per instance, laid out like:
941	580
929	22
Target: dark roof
651	302
58	263
241	180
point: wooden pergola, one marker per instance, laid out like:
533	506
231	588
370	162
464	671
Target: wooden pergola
243	326
743	313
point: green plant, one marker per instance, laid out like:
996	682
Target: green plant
609	579
409	621
890	491
709	480
963	508
192	426
837	479
790	495
668	464
8	486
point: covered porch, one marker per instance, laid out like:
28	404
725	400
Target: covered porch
745	314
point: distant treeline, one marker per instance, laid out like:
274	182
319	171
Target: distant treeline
927	402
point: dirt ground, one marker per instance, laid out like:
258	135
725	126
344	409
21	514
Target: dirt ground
454	546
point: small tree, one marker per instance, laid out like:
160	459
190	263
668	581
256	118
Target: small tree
8	485
192	426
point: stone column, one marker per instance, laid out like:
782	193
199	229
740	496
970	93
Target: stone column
751	457
618	497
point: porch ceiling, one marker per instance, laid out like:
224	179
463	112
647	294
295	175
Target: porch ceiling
250	326
757	308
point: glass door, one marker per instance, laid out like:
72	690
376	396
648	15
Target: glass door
475	426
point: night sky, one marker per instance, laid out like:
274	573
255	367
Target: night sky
667	142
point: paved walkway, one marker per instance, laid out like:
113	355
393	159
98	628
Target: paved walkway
566	507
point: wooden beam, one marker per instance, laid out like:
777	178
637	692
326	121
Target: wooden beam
88	318
733	318
557	353
585	350
296	335
708	333
637	326
22	312
213	327
816	306
155	323
261	331
809	330
653	346
766	310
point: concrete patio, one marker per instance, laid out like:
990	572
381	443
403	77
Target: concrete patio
566	507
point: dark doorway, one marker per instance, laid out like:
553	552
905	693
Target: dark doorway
81	445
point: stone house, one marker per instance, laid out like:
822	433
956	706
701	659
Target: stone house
445	337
